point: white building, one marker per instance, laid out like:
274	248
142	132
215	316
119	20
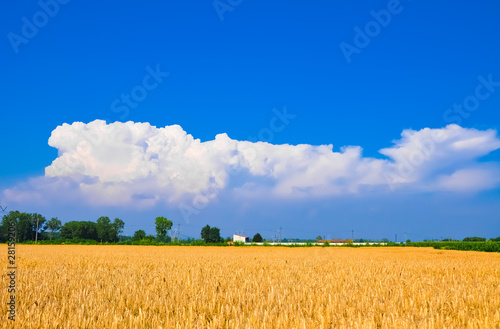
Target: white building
240	238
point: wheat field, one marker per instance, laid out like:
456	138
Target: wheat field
252	287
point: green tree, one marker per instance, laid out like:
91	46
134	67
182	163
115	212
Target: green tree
12	216
211	234
163	225
6	219
150	238
53	225
474	239
318	238
139	235
104	229
214	235
257	238
26	225
205	233
495	239
79	230
117	228
38	224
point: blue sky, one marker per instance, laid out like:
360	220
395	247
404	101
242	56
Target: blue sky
227	75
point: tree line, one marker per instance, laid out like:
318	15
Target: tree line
35	227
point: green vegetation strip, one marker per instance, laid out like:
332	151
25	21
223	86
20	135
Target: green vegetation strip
486	246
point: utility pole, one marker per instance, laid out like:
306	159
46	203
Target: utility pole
352	235
178	232
405	237
396	238
280	234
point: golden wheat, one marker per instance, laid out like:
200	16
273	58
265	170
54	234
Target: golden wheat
252	287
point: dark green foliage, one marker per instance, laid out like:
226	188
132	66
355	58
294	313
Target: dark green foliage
205	231
139	235
25	225
257	238
38	224
104	229
474	239
488	246
123	238
53	225
150	238
495	239
211	234
116	229
67	241
360	240
214	235
163	225
79	230
108	231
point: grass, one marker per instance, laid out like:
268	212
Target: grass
210	287
487	246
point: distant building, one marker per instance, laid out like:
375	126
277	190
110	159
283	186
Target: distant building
240	238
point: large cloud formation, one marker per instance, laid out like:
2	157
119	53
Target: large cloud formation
136	163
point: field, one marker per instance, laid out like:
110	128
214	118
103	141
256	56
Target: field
252	287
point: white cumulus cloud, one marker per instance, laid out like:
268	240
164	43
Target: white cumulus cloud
139	164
